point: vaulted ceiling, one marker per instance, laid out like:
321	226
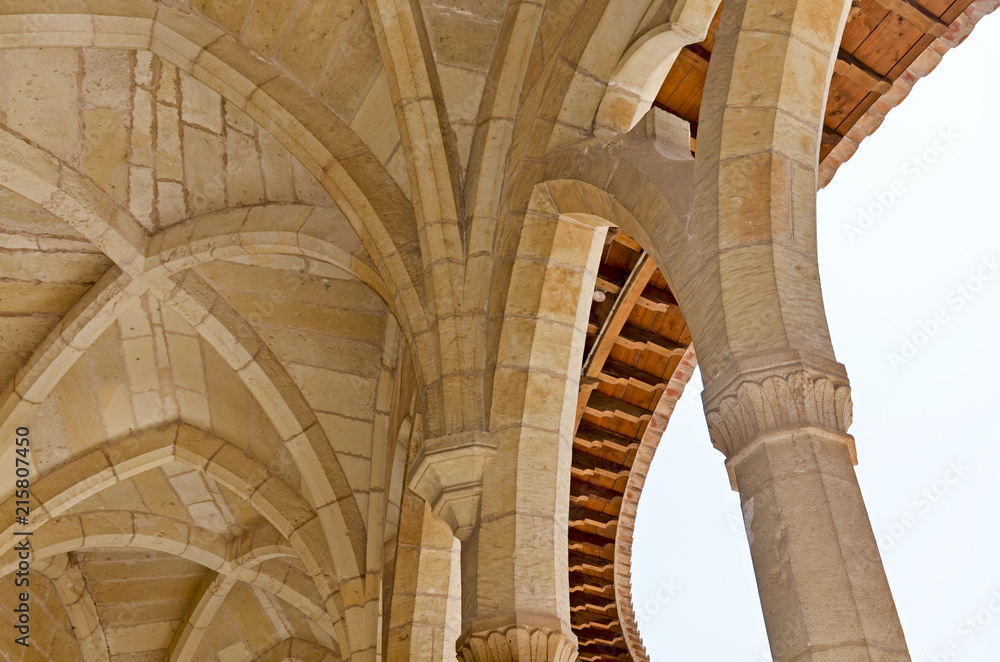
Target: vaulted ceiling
223	275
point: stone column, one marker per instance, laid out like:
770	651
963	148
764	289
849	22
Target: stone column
781	421
421	586
515	579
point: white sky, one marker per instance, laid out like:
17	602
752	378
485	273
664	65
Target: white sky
911	419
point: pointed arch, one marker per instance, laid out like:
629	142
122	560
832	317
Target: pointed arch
279	504
73	198
373	202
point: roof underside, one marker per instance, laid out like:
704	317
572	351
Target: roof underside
882	41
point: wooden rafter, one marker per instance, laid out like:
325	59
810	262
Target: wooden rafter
633	341
613	325
858	72
922	19
627	297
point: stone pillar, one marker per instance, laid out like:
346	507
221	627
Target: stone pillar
515	579
777	402
421	586
450	473
782	421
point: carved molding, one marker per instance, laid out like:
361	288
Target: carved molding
448	473
784	397
517	643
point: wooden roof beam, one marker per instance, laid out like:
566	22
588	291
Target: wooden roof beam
606	335
624	303
590	565
588	463
593	502
859	73
602	406
592	585
597	637
633	337
919	17
653	298
587	432
700	55
582	602
582	618
586	538
579	488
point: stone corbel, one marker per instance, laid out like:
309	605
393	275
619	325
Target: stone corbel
448	473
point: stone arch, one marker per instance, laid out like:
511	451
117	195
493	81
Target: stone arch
778	400
593	68
81	609
274	228
762	124
639	182
239	344
627	200
241	347
236	340
491	144
643	182
539	350
61	190
298	650
275	500
372	201
648	210
640	72
212	594
435	173
103	303
157	533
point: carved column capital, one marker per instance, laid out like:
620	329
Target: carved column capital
448	473
517	643
770	396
